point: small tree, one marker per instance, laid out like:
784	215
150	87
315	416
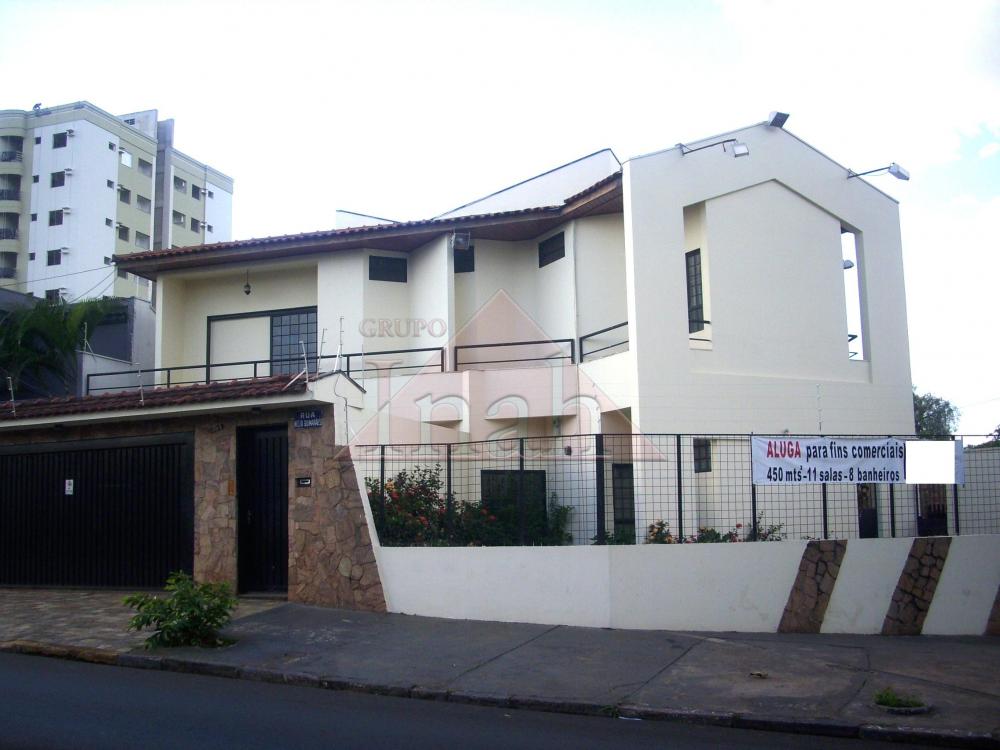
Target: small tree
933	415
40	341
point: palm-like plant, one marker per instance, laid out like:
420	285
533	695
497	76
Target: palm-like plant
38	344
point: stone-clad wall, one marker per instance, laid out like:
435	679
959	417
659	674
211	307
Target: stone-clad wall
330	556
813	586
331	560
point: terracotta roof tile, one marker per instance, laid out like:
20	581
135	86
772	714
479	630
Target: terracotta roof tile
152	398
374	229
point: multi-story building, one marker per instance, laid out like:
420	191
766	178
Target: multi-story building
78	185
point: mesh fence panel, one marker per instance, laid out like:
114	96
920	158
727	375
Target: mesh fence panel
643	488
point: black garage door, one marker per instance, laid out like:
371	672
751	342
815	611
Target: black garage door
115	513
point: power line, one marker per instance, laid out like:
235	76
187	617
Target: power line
58	276
110	276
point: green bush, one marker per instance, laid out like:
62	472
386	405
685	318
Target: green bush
411	510
191	616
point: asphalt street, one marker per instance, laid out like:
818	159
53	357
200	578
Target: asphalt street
50	703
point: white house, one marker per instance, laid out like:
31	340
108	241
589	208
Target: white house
605	333
718	281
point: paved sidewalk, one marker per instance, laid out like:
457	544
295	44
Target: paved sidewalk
811	683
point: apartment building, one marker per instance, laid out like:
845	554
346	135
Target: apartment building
78	185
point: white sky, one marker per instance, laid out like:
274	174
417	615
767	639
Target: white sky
407	109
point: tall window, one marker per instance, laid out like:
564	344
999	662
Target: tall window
55	218
623	499
696	301
53	258
58	141
287	330
57	179
465	260
552	249
145	167
702	455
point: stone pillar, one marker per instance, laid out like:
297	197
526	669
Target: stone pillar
331	560
215	501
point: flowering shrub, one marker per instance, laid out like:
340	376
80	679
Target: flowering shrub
659	533
411	510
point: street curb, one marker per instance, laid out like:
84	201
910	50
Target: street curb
819	727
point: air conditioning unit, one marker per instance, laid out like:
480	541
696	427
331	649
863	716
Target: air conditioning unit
70	132
66	210
68	170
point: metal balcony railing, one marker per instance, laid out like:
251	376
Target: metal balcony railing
9	195
599	340
11	155
353	365
543	350
8	233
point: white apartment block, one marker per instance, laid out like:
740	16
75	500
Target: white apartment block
78	185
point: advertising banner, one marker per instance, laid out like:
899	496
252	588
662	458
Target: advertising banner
794	460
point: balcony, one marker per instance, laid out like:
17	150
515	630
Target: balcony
9	194
12	156
8	233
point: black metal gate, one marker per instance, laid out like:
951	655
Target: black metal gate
262	486
99	513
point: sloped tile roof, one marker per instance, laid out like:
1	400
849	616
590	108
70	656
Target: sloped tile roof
152	398
373	230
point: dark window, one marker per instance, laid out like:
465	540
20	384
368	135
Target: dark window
382	268
623	498
34	217
552	249
210	193
111	184
465	260
125	196
702	455
112	146
55	218
107	260
58	141
31	256
34	178
287	330
146	167
38	140
123	232
696	302
196	192
108	222
122	274
57	179
54	258
52	295
500	492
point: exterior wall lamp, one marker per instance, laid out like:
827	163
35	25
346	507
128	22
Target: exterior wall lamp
894	169
739	148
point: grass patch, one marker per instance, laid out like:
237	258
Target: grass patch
891	699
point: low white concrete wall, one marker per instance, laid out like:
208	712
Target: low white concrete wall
865	585
550	585
706	587
967	587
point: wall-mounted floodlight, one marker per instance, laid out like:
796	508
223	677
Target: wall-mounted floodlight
894	169
777	119
848	264
739	148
